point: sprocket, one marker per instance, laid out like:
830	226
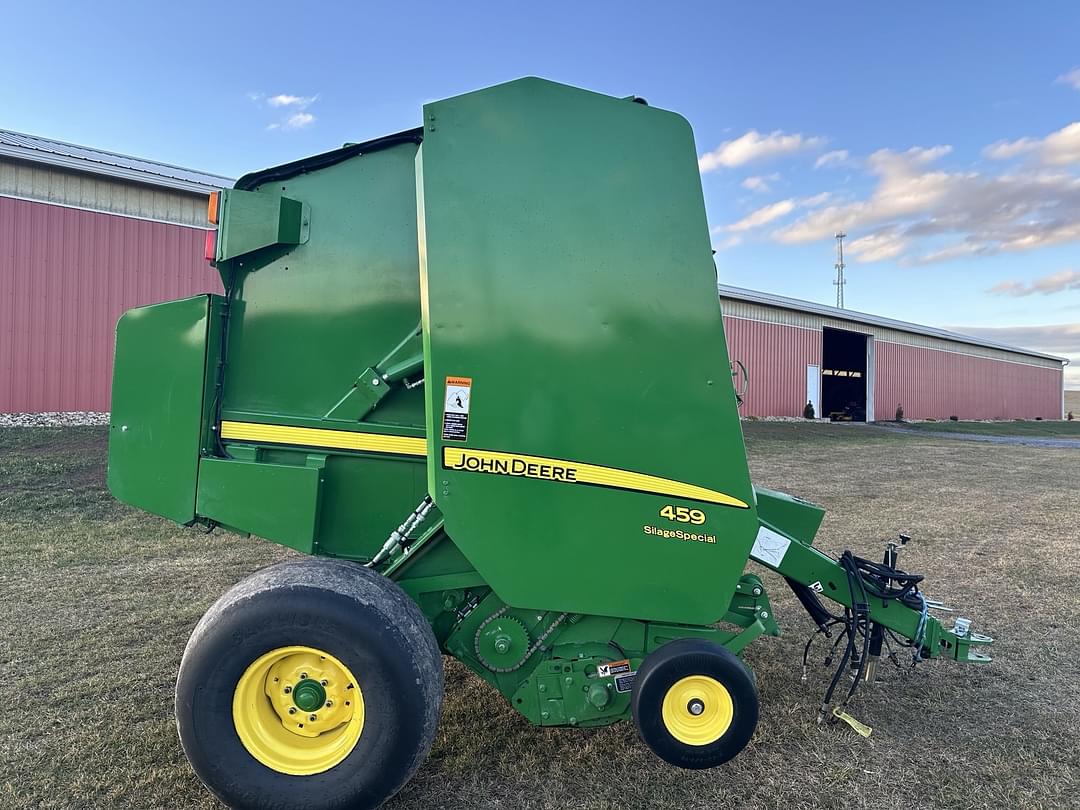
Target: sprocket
502	643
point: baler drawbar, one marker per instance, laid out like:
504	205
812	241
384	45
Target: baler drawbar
476	374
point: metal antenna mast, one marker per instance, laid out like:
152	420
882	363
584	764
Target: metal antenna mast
840	281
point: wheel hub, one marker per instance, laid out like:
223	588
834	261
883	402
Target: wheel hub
298	710
698	710
309	695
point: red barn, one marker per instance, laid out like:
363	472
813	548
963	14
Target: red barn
797	352
86	234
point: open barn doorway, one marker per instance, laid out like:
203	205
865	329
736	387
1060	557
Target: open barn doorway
843	375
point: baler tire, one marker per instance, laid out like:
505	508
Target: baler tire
716	681
340	615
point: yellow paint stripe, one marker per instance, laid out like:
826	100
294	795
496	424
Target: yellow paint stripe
551	469
514	463
319	437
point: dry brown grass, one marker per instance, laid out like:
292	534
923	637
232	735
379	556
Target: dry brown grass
99	601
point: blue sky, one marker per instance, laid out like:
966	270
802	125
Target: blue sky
944	138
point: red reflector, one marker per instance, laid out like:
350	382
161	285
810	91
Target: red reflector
210	250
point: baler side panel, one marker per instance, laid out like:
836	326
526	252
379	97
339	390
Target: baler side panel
309	318
566	271
156	425
311	311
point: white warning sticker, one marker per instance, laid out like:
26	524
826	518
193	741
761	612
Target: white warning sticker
613	668
769	547
456	409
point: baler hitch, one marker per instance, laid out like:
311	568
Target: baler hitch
883	606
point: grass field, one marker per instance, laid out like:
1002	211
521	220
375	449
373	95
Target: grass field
1029	428
99	601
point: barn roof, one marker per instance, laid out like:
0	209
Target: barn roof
798	305
36	149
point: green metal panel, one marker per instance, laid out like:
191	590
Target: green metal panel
566	270
308	323
308	319
251	220
157	405
794	516
276	501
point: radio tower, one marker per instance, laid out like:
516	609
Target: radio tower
840	282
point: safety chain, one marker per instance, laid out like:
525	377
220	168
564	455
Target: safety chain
535	646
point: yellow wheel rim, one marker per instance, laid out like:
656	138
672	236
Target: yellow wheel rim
697	710
298	710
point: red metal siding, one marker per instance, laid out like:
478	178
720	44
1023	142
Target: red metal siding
776	357
937	384
66	275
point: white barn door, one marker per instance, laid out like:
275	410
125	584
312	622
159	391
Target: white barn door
813	388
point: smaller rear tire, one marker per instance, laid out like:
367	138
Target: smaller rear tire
694	703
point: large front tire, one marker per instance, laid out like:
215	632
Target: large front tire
313	683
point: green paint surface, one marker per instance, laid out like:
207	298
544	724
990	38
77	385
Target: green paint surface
567	269
157	406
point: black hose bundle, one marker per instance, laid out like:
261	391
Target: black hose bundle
867	580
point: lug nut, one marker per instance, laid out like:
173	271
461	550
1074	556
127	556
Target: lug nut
303	676
292	710
288	689
323	681
313	718
329	703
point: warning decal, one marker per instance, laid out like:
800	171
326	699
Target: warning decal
613	668
620	671
624	683
455	426
769	547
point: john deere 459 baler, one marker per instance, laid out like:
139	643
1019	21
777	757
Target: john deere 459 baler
477	372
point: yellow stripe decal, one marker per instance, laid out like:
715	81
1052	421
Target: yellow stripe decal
573	472
484	461
318	437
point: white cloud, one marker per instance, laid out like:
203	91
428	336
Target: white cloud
1006	150
759	183
920	213
1072	78
1062	147
1061	281
286	100
902	190
298	120
293	108
838	157
1059	148
761	216
753	146
771	212
816	200
878	246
